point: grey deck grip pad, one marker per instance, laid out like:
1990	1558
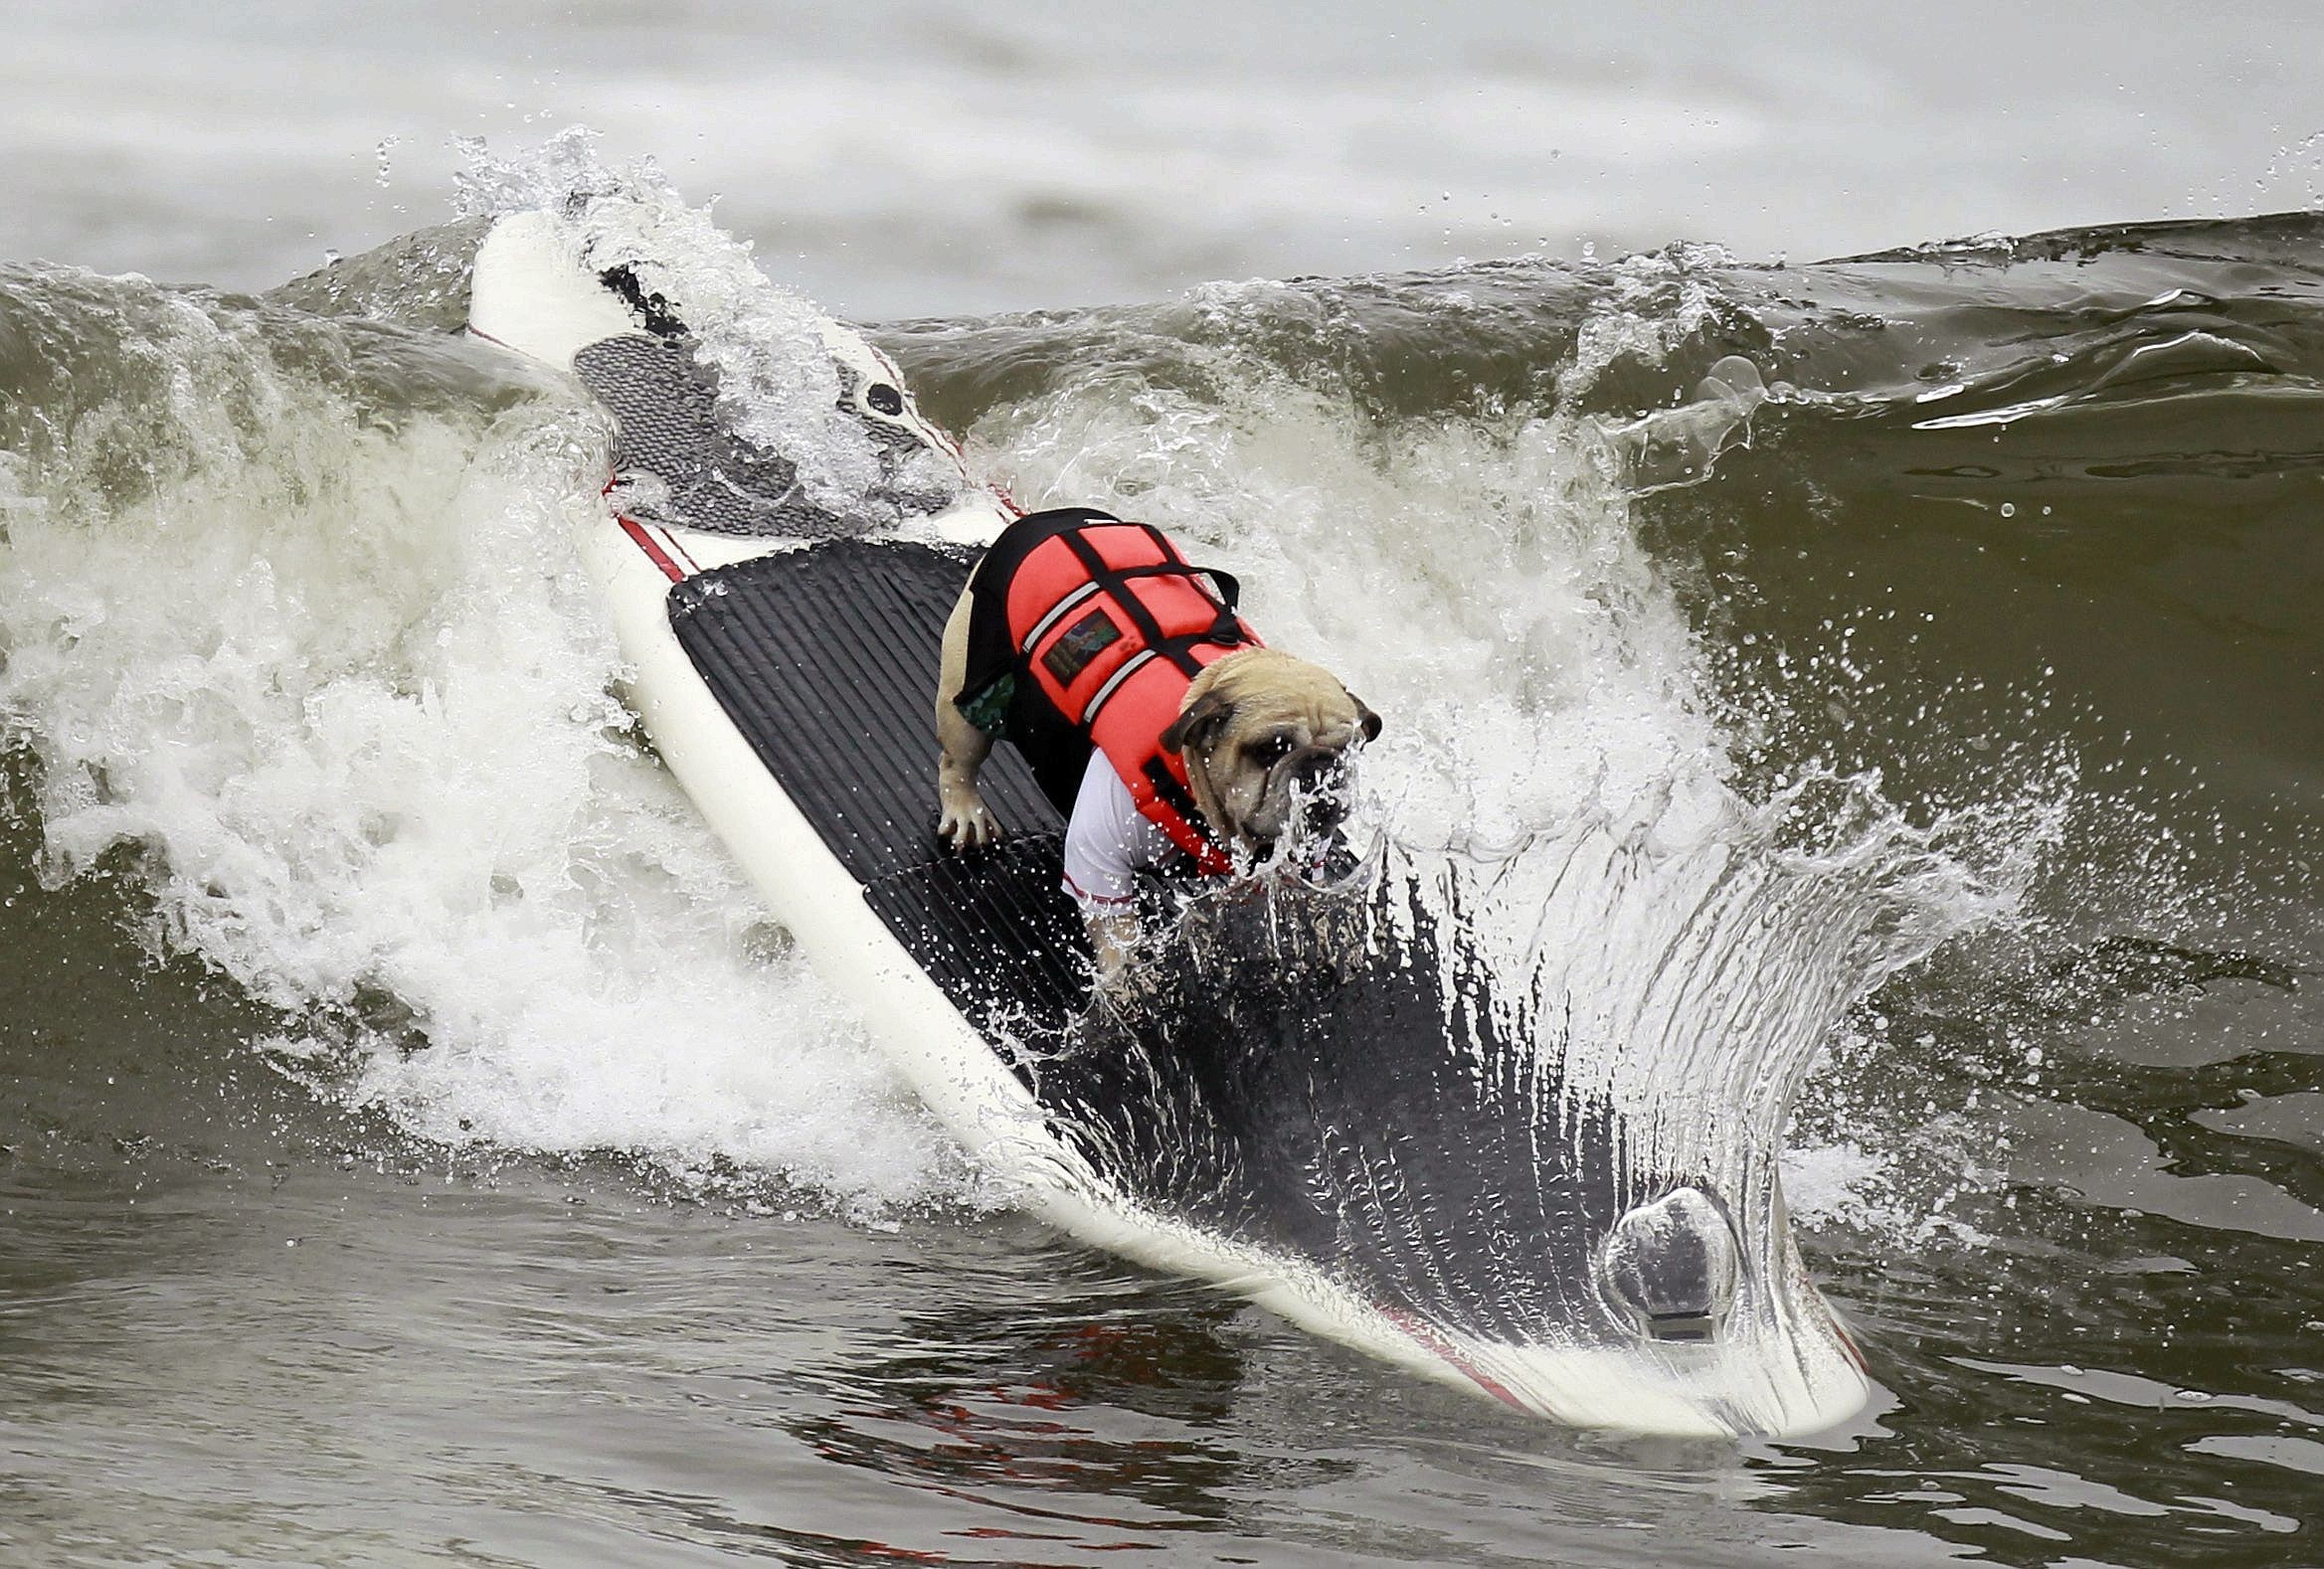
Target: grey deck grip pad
1298	1071
665	404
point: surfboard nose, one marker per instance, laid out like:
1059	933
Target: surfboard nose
1669	1267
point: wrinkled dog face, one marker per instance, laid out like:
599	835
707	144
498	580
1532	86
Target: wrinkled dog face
1265	738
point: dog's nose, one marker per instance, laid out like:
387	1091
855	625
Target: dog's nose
1320	777
1319	767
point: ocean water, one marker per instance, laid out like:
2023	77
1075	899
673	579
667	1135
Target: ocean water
419	1145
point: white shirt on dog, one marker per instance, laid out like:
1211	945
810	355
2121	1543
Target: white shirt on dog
1108	839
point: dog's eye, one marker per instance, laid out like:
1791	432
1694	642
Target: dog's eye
1272	751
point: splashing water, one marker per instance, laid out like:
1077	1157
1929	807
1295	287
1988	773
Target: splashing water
1402	470
360	723
294	610
1554	747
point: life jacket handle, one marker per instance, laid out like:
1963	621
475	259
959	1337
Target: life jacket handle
1225	587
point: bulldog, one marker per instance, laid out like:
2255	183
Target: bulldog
1151	713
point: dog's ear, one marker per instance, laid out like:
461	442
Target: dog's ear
1199	722
1367	721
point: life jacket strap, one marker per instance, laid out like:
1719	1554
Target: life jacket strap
1114	580
1189	831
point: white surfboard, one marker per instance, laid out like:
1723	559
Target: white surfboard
784	664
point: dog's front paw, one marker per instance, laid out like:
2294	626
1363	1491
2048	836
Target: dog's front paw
968	825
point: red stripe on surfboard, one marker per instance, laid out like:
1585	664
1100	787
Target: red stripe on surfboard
1442	1347
644	542
676	547
643	539
1847	1345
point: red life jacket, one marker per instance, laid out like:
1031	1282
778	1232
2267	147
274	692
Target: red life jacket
1089	631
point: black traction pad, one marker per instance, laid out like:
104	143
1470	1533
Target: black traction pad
825	658
1327	1075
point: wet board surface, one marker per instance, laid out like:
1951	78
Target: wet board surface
825	660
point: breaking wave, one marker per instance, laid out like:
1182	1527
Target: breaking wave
294	628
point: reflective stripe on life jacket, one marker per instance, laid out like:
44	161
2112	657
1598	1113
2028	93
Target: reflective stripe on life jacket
1099	627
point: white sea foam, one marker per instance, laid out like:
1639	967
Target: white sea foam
1479	586
335	670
